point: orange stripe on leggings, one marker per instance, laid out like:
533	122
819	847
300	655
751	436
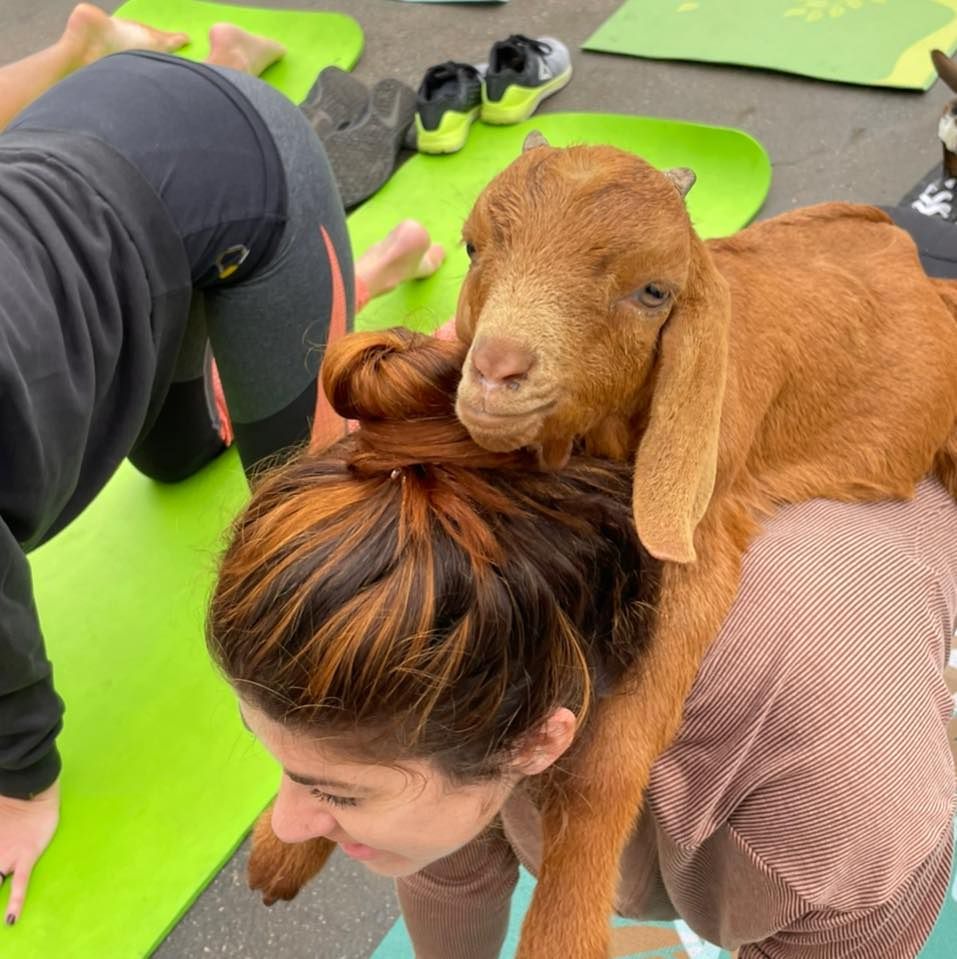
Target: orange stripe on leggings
327	425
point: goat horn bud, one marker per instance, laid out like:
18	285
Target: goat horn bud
682	177
533	140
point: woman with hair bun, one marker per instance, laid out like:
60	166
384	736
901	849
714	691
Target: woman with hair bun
419	630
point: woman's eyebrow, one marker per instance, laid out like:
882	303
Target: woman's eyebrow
325	783
312	781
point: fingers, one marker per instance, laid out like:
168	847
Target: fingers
19	881
26	828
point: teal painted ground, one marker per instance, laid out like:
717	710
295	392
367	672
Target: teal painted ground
941	945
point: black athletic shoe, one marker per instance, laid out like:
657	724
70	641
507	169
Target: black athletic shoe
447	104
363	155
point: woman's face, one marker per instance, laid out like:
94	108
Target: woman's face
394	821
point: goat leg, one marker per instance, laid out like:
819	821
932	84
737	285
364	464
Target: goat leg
587	826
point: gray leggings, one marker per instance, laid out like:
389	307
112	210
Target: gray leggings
267	332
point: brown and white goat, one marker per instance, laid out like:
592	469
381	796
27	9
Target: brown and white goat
807	356
947	126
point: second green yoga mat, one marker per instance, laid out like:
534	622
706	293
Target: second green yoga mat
883	43
312	40
733	171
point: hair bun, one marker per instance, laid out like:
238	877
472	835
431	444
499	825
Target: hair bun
392	375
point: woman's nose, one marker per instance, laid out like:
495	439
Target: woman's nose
297	817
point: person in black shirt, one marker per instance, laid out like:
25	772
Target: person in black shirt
155	214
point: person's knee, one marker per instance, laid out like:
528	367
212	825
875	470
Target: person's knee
167	464
182	440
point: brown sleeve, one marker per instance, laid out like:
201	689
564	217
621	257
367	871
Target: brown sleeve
459	906
853	810
897	929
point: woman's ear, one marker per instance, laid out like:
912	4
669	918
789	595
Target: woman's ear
547	744
677	457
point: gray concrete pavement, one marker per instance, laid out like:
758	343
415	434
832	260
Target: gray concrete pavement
826	141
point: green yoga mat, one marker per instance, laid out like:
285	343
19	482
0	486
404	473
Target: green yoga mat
160	780
883	43
671	940
313	40
733	170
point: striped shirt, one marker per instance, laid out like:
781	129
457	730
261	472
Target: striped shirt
805	809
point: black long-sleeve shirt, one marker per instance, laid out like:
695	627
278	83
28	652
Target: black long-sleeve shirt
94	296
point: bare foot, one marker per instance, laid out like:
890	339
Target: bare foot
407	253
91	33
229	46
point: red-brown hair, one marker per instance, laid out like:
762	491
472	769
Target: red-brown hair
420	595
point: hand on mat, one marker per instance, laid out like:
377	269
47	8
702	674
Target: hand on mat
278	869
26	828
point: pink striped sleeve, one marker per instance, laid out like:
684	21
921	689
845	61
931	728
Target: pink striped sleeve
814	764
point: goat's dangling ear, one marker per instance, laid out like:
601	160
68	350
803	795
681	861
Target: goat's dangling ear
945	67
533	140
677	457
682	177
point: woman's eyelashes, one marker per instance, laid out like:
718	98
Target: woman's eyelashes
338	801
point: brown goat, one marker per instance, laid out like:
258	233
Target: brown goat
807	356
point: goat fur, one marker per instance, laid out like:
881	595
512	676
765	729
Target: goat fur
807	356
278	869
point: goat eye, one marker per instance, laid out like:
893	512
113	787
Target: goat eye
470	250
651	295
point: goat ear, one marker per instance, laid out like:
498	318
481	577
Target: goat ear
945	67
534	140
677	457
682	177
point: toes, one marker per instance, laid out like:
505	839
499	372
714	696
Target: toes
431	261
177	41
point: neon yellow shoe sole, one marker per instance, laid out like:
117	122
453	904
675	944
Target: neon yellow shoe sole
452	132
519	103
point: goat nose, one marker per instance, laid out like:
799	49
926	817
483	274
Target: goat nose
501	362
